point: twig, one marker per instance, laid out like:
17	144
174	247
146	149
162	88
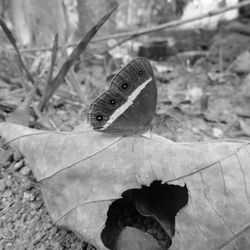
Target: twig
169	25
76	53
10	204
13	42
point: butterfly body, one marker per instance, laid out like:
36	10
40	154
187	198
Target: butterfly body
128	106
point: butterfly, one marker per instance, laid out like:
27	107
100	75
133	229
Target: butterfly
128	106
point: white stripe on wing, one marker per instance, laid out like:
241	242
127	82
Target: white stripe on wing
126	105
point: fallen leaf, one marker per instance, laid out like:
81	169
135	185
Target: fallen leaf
82	173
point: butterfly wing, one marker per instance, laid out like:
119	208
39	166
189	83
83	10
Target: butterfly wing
103	107
133	94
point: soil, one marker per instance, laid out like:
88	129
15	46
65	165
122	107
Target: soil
198	102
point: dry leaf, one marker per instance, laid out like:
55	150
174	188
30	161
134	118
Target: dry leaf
82	173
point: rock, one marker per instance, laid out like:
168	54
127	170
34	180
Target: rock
17	156
27	185
4	201
25	171
2	185
53	231
37	205
18	165
28	196
217	133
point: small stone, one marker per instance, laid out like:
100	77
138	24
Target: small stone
38	205
17	156
28	196
217	133
25	171
53	230
4	200
2	185
27	185
18	165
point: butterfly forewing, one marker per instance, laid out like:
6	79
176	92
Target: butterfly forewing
133	74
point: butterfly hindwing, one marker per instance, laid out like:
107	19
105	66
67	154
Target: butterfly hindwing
104	106
128	107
